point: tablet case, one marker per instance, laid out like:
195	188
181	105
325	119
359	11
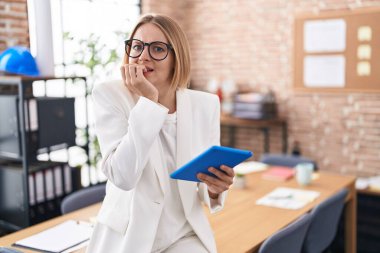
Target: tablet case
213	157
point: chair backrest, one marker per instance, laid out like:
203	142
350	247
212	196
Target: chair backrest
324	224
83	198
285	160
289	239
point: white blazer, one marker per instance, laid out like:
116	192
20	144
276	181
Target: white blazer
128	134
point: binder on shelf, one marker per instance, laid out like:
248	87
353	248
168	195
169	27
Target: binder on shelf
40	187
44	117
49	184
68	182
10	136
32	197
58	181
56	115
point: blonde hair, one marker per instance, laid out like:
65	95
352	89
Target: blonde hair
177	39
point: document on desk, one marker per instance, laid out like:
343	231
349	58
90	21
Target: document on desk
288	198
59	238
249	167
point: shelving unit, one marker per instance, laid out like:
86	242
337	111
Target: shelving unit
31	190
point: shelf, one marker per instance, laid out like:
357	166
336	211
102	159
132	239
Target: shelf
22	178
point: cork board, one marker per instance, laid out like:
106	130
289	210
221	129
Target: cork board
338	51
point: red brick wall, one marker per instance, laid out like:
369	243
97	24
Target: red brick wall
252	43
13	23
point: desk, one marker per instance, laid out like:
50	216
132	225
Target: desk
264	125
82	214
242	226
370	191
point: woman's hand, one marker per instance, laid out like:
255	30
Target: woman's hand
221	183
136	82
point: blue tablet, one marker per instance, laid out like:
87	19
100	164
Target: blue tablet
213	157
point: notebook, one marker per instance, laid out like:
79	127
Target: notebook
59	238
279	173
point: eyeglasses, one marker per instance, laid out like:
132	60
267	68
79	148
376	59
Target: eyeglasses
157	50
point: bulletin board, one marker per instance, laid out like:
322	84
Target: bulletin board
338	51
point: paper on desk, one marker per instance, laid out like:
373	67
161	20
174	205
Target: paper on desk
249	167
59	238
362	183
288	198
78	247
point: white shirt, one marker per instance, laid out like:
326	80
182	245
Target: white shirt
173	224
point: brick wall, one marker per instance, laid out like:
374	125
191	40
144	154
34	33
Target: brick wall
252	43
13	23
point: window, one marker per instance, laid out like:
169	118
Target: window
82	25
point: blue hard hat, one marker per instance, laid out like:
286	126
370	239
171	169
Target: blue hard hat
18	60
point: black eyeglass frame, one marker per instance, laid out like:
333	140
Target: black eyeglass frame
148	45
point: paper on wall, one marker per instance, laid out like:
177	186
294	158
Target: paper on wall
364	33
325	36
324	71
364	52
363	68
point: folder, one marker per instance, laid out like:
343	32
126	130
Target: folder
279	173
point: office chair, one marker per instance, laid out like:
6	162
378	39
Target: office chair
285	160
289	239
324	224
8	250
83	198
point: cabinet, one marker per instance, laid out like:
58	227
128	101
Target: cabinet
368	223
30	189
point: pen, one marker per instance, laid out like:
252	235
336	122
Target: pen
281	197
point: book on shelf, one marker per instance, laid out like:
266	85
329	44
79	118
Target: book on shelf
252	97
254	106
253	115
279	173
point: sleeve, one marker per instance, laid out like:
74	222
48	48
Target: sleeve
214	205
125	138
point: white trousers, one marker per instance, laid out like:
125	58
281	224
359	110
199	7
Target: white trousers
189	244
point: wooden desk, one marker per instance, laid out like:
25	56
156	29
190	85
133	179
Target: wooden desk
370	191
264	125
242	226
82	214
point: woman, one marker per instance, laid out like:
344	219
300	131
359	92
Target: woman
149	125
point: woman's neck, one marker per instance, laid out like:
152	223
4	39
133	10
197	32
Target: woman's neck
168	99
